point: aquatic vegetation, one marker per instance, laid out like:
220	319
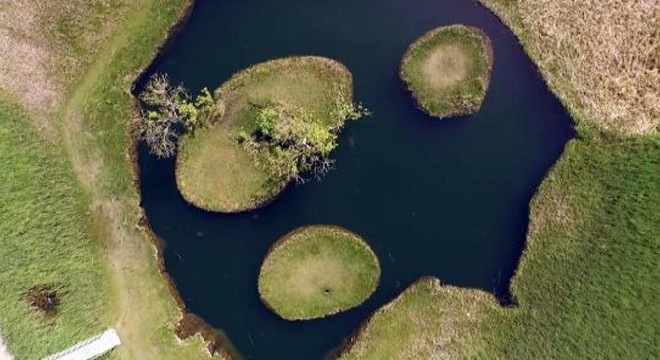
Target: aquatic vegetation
448	70
317	271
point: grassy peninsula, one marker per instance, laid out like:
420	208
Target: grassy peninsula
317	271
244	159
447	70
426	316
589	275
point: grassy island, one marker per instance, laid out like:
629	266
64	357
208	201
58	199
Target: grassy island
245	157
448	70
318	271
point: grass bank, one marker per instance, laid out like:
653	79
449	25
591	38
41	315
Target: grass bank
589	275
448	69
89	127
96	127
216	172
317	271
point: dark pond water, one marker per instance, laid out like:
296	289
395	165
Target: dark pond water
445	198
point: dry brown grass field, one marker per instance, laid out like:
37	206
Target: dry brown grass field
602	57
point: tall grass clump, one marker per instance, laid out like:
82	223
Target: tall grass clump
46	240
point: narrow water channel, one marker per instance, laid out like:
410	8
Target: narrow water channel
445	198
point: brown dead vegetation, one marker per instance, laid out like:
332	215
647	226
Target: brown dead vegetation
447	65
192	325
38	62
26	61
602	57
43	299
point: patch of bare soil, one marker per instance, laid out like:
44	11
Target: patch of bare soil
26	66
191	325
446	66
43	299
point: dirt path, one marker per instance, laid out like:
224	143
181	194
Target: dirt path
4	352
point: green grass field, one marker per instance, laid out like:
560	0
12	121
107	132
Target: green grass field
88	159
317	271
589	279
214	171
448	70
586	287
46	239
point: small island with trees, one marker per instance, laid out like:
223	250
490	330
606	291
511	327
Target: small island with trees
448	70
268	125
318	271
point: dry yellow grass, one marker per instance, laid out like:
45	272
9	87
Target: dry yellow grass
602	57
445	66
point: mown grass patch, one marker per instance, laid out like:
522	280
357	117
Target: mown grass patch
318	271
448	70
55	286
215	171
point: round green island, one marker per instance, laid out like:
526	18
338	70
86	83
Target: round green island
448	70
318	271
233	164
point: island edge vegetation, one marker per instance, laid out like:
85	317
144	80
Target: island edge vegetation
447	70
